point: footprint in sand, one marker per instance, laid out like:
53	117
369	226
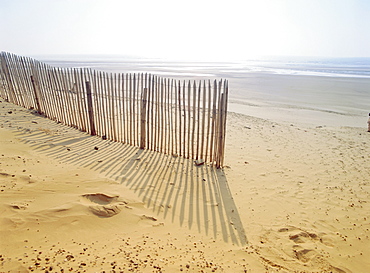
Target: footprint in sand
293	243
103	205
300	238
303	254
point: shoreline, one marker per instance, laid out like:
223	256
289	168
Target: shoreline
312	99
290	198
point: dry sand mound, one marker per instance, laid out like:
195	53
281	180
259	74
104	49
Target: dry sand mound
103	205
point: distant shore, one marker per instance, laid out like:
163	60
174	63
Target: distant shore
320	92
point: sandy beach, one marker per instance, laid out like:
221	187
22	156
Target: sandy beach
291	198
193	136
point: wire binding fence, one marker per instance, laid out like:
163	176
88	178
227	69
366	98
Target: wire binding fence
181	118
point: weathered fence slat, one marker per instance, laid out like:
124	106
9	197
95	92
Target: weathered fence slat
90	109
143	118
38	107
174	101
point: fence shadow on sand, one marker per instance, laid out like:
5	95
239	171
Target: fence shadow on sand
195	197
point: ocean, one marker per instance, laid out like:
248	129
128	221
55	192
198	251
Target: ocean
314	91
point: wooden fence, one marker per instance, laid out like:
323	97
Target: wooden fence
181	118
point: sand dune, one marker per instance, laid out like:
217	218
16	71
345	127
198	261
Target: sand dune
291	198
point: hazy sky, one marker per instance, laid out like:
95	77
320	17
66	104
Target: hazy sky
208	29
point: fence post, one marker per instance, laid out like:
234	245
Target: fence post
220	134
34	85
143	118
226	92
90	109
